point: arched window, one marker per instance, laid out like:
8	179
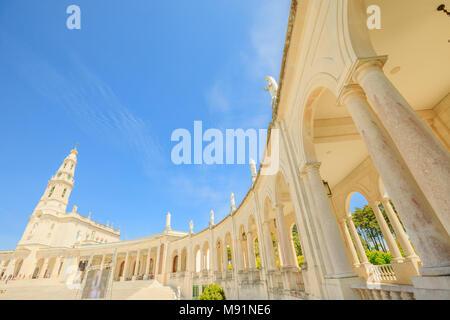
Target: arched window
64	193
78	235
51	191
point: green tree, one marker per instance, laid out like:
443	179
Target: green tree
213	292
297	246
257	256
368	228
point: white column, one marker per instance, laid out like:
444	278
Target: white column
147	265
103	262
285	253
335	243
251	251
125	267
398	229
426	231
158	254
44	267
393	248
351	247
423	153
359	246
225	257
56	267
271	263
136	266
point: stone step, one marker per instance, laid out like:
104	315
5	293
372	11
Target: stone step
49	289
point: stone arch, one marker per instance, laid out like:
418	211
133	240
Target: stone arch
356	189
38	268
17	267
229	244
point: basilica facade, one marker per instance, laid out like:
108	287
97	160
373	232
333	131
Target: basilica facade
356	109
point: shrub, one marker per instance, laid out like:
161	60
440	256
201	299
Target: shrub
300	260
378	257
212	292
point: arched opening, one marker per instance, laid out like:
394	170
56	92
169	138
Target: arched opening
37	269
122	265
175	264
296	246
229	251
17	267
375	231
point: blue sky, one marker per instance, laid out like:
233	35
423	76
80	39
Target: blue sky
136	71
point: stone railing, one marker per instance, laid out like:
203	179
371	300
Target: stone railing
275	279
383	274
243	276
229	275
254	275
300	285
384	292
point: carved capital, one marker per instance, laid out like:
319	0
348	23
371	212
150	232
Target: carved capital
351	91
365	65
309	165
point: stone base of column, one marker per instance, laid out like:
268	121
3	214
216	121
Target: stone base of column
364	270
289	277
432	288
405	270
133	278
340	288
146	277
122	278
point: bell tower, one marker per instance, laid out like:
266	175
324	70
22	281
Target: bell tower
56	196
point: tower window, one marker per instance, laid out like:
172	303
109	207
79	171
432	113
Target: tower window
69	176
71	167
51	191
59	174
64	193
65	164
